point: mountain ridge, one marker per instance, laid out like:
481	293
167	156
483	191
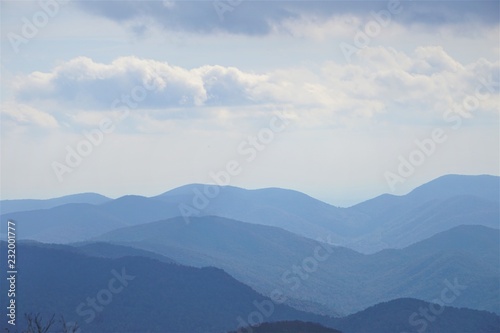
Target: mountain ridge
386	221
242	249
175	295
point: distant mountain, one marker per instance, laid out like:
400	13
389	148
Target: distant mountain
328	279
255	254
139	294
409	223
466	254
287	327
106	250
62	224
135	209
444	203
396	316
384	222
78	222
445	187
99	249
411	315
10	206
448	186
133	294
475	239
286	209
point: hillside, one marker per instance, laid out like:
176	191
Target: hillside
339	281
444	203
384	222
139	294
411	315
396	316
10	206
134	294
287	327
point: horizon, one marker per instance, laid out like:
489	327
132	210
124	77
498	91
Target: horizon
251	189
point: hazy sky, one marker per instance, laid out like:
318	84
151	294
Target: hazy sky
342	100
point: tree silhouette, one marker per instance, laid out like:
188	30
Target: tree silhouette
36	324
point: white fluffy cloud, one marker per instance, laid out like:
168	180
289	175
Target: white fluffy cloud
378	81
85	83
427	81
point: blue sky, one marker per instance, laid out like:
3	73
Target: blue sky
343	100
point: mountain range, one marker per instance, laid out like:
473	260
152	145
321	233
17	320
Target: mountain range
323	278
139	294
239	253
386	221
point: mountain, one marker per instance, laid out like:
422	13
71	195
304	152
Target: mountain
283	208
135	209
326	279
448	186
100	250
287	327
106	250
78	222
410	223
465	239
465	255
10	206
139	294
384	222
254	254
444	203
396	316
286	209
442	188
411	315
62	224
133	294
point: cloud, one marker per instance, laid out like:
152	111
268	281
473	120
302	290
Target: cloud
229	85
83	83
22	114
429	81
262	17
379	81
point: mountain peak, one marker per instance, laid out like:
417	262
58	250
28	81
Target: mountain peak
483	186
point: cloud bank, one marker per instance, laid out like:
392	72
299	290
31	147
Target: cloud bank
378	81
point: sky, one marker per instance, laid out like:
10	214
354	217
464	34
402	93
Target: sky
341	100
